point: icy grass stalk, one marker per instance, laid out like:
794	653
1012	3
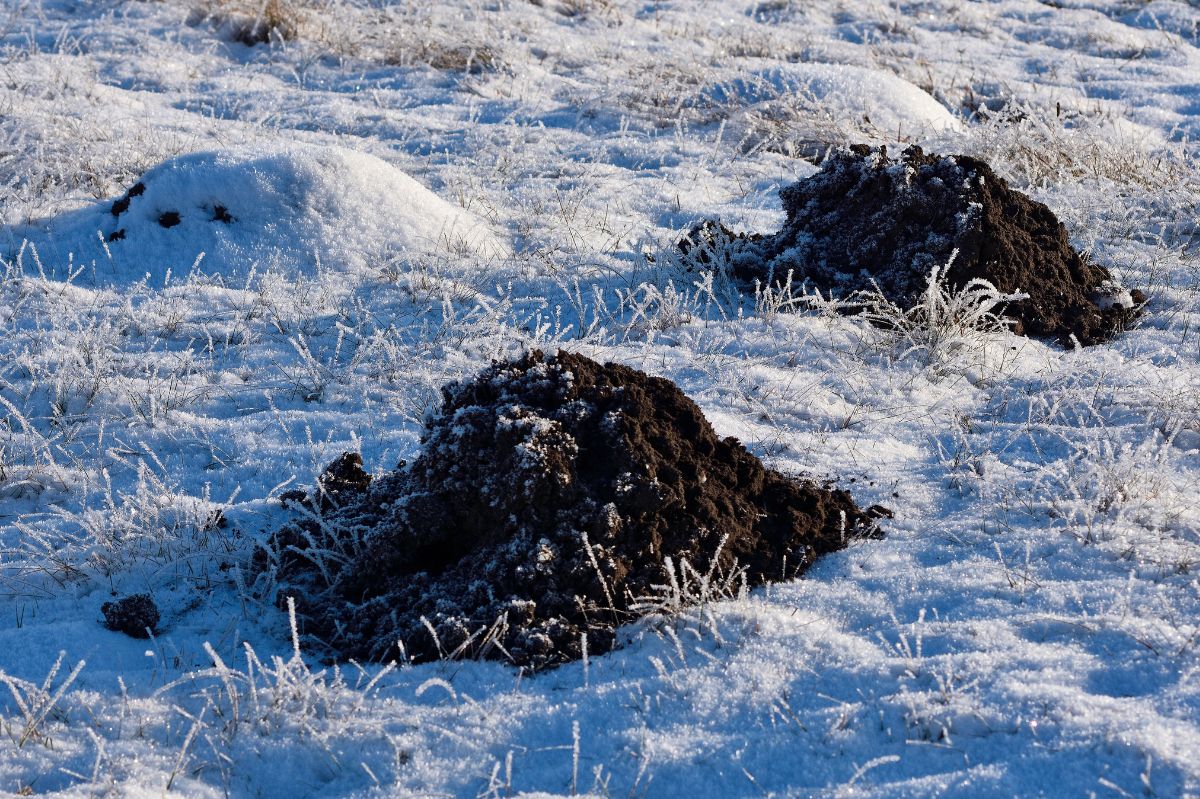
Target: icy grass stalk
157	522
37	702
1036	145
26	459
1124	496
687	595
781	298
945	323
197	721
267	698
646	310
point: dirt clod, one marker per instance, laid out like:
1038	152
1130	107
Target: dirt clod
548	496
122	205
710	242
135	615
867	219
342	481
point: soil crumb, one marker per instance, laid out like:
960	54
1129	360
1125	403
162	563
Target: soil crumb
548	496
135	615
869	220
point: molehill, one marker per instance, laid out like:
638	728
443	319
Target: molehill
867	220
547	497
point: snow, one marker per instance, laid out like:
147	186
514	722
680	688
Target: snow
230	211
1027	627
872	103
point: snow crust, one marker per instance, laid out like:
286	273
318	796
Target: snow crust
1028	627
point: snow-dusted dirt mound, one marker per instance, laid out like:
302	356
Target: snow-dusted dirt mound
867	222
284	207
554	499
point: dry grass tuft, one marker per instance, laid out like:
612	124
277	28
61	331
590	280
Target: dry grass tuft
253	22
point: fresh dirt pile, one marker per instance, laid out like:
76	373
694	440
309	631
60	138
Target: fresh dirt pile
866	219
549	493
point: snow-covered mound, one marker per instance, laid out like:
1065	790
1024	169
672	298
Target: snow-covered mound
289	207
825	103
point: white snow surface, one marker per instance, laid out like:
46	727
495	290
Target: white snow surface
1027	627
283	206
870	102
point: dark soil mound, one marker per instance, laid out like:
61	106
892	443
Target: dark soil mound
547	497
868	219
135	615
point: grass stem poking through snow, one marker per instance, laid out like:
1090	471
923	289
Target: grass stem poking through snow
946	322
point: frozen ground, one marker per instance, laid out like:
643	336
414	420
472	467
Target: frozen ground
1028	627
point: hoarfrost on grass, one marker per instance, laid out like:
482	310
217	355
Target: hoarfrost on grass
1028	625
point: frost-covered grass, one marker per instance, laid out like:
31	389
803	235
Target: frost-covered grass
1029	625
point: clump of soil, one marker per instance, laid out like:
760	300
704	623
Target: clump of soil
343	481
710	242
122	205
548	495
135	615
868	220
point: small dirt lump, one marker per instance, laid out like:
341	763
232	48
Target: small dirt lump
135	615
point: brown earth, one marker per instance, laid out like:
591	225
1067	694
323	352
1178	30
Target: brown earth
866	219
547	496
135	615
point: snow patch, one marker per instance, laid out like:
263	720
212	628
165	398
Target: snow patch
288	207
875	102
